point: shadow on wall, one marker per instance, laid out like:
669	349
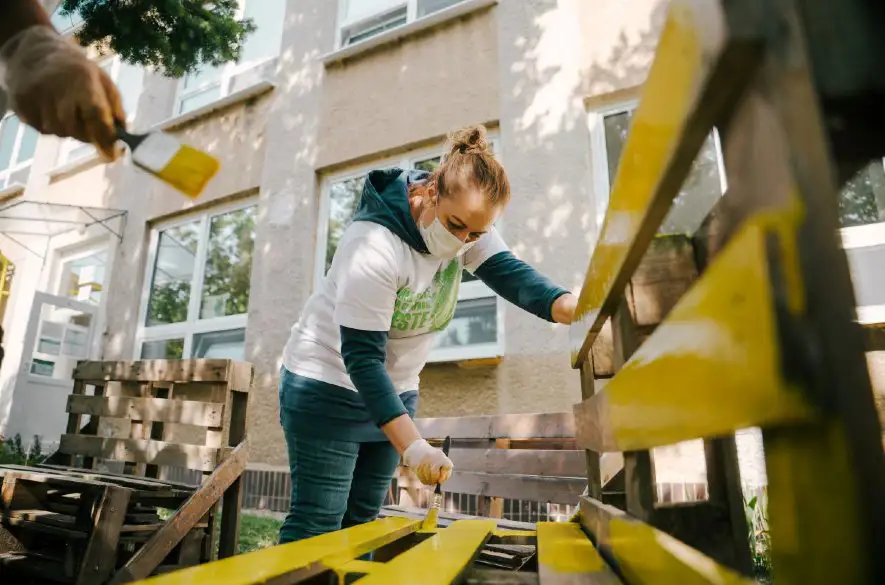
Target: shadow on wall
549	63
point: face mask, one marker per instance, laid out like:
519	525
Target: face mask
441	242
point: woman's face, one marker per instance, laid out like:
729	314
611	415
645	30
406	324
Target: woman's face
467	214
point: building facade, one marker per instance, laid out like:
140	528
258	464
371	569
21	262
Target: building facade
107	263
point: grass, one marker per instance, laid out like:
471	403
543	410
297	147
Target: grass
258	532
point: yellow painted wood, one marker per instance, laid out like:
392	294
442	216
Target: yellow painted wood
566	555
814	516
439	560
354	567
647	556
508	533
713	366
297	558
691	37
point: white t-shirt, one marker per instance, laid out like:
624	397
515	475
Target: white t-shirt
377	282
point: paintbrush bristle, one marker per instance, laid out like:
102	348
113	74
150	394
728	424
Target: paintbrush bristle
189	170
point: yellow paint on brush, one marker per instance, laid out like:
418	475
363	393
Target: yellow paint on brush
431	519
563	548
189	170
314	554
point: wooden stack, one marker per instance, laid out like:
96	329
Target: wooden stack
68	521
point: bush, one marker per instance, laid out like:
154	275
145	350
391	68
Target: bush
14	452
760	539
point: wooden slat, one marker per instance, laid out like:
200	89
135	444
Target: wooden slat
567	557
559	425
229	536
701	65
663	275
557	490
295	561
713	367
140	451
198	370
189	412
439	560
646	556
105	515
161	543
521	461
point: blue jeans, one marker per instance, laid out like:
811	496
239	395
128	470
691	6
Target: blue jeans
335	484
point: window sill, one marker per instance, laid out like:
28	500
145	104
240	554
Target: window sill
871	315
461	9
75	166
260	88
482	353
11	191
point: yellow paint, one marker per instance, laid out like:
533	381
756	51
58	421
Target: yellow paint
327	550
507	533
814	517
354	567
439	560
190	170
713	366
431	519
649	556
681	62
563	548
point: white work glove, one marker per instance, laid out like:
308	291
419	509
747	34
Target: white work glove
429	463
53	86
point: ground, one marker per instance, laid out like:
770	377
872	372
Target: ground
258	532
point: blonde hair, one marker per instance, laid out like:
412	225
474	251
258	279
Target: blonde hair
471	163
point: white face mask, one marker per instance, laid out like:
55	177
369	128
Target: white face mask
442	243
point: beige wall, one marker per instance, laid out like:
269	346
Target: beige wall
410	92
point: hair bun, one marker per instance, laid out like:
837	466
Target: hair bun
469	140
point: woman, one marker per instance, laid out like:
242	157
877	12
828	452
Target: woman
349	382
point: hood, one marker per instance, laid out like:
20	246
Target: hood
385	201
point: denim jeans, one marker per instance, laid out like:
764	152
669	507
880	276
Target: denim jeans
335	484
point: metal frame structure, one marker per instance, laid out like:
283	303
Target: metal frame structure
765	336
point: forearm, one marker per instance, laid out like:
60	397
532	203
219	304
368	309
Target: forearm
522	285
401	432
17	15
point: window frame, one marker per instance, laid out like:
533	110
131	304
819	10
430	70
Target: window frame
227	72
193	325
411	7
599	154
475	289
14	166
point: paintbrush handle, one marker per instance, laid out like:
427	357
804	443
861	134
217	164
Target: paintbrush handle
131	140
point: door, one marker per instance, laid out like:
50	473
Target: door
59	334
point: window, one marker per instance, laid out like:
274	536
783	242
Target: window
476	329
18	143
129	80
212	83
7	273
702	188
362	19
197	294
862	199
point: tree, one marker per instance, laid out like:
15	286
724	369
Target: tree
174	37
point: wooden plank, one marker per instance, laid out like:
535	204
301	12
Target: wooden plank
100	554
558	425
557	490
663	275
132	481
197	370
723	335
704	60
440	560
233	496
295	561
161	543
567	557
647	556
189	412
505	527
520	461
140	451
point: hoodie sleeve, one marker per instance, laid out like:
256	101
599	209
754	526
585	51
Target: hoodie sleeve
364	354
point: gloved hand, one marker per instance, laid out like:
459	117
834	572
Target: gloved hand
54	87
429	463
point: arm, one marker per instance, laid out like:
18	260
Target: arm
526	288
17	15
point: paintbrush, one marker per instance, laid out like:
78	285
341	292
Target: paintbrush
181	166
433	514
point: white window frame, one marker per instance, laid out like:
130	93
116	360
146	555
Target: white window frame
475	289
69	145
866	236
193	325
14	167
599	155
343	24
228	71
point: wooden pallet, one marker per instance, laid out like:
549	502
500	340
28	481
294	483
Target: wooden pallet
75	523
